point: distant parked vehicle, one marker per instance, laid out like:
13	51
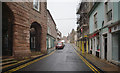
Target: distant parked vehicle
60	45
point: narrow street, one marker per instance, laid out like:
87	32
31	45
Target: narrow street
33	31
61	60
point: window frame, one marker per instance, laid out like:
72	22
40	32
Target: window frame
38	3
107	10
109	18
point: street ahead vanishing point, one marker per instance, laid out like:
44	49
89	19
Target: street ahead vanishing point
66	59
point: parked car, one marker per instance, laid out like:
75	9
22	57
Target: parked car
60	45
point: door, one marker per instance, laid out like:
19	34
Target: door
105	46
7	30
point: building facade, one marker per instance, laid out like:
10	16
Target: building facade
24	28
65	39
75	38
83	26
51	31
104	23
71	38
59	35
68	38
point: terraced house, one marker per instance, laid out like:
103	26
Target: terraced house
51	32
83	26
104	25
24	28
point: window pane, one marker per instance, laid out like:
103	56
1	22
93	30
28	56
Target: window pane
36	5
109	15
95	20
109	6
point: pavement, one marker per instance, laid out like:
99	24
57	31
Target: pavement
104	65
9	61
62	60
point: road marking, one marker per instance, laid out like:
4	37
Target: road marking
24	65
87	63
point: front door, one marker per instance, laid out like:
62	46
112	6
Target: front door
105	46
7	30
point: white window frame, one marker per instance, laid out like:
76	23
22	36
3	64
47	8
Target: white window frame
49	30
49	43
36	3
107	11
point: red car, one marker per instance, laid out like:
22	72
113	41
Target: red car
60	45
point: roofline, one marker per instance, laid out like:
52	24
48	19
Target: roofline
51	16
93	8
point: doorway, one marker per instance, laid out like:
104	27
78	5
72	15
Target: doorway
116	46
35	37
7	30
105	46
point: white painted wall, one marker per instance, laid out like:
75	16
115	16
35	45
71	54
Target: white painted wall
93	50
109	47
115	46
90	44
102	48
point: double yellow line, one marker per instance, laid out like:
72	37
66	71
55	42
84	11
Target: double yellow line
24	65
87	63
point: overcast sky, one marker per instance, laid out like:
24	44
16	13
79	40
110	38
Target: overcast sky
64	14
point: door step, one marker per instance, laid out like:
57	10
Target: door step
7	61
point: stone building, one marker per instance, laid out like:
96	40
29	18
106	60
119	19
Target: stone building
65	39
83	25
72	34
75	38
71	38
24	28
51	31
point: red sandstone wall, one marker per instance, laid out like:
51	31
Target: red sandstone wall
24	16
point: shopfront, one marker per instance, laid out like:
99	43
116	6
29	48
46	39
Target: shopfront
115	31
95	44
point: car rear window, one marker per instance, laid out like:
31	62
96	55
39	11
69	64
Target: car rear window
59	44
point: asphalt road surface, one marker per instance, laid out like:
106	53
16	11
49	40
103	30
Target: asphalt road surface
64	59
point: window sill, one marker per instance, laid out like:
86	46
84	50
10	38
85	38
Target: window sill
108	23
36	10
